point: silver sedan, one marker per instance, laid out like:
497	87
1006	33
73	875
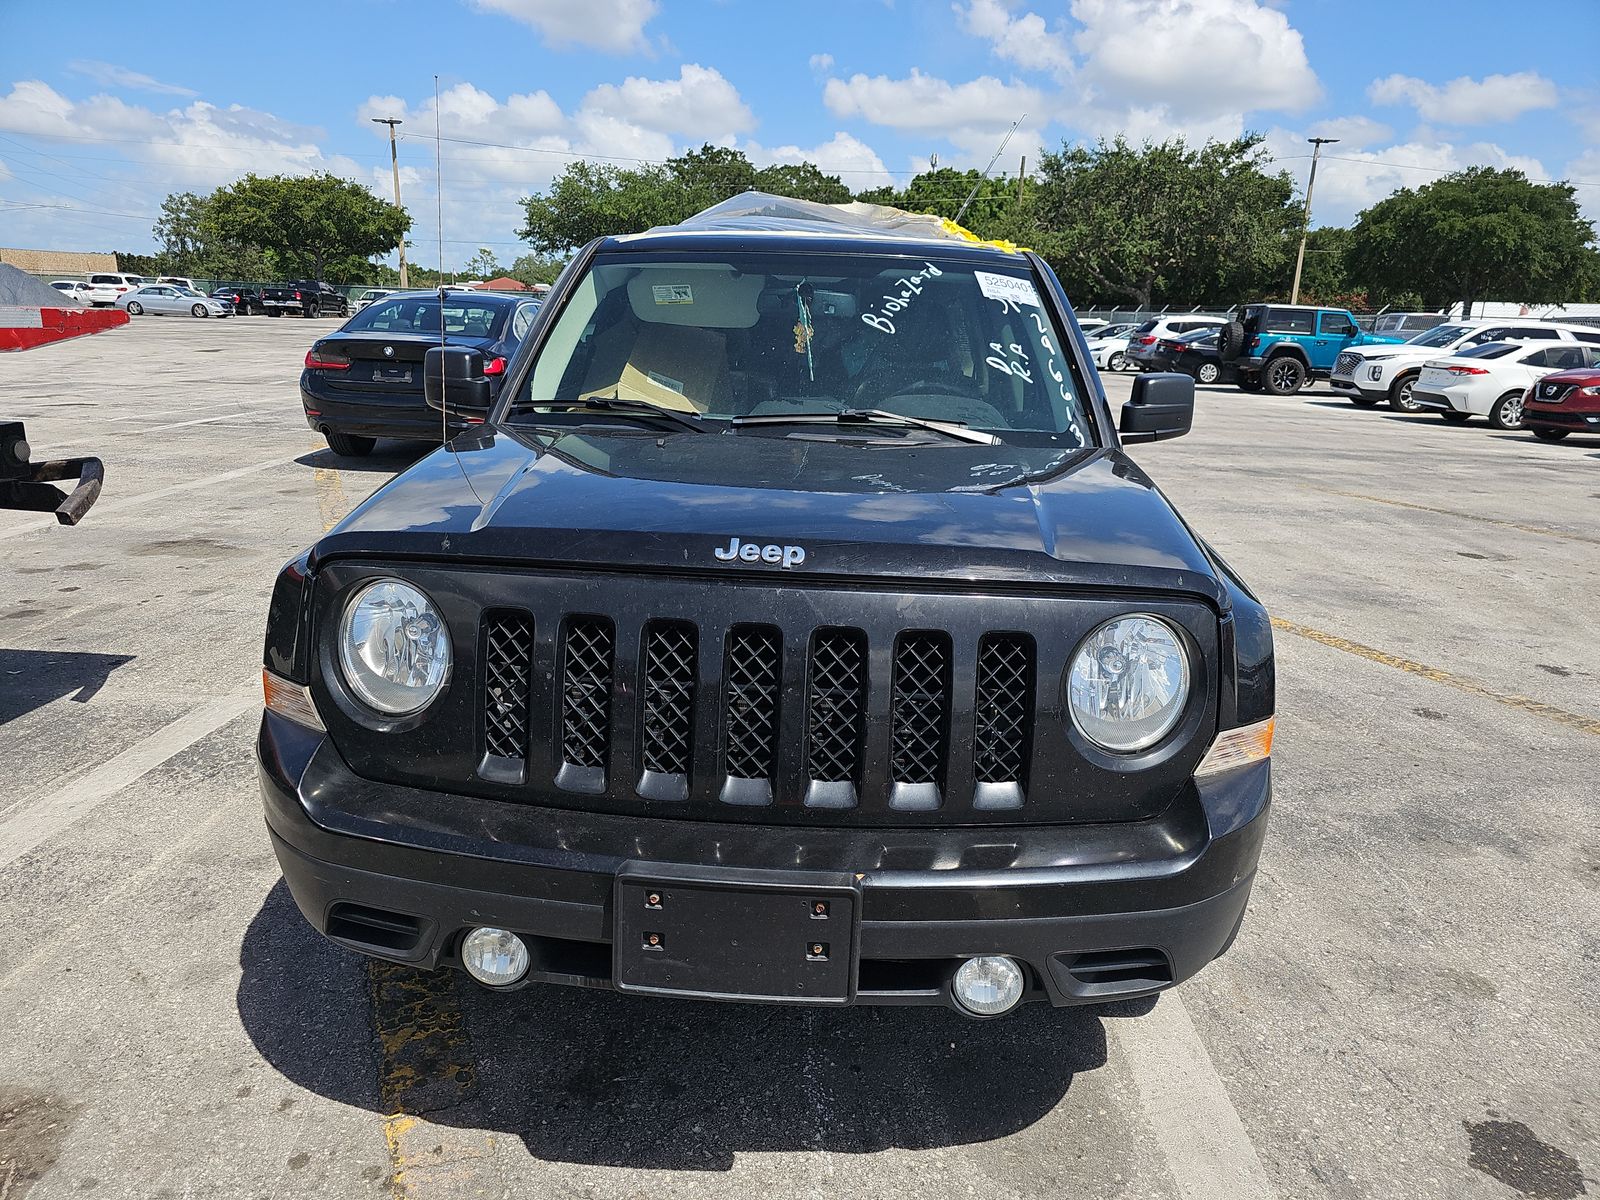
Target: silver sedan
163	299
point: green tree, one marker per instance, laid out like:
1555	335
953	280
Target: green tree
537	268
802	181
590	200
1162	220
178	229
138	264
482	265
1479	234
315	225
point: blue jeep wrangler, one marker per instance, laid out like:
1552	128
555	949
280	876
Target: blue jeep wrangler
1278	347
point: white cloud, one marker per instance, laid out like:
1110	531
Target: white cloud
844	155
1468	101
699	104
1197	58
822	62
1024	40
616	26
925	103
110	75
1353	132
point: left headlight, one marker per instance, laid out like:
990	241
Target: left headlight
394	648
1128	683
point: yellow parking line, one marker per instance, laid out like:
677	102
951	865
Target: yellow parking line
1461	683
1520	527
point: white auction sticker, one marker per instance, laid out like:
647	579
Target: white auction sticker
673	293
1007	287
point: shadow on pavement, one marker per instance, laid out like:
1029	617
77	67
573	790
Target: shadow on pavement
30	679
598	1078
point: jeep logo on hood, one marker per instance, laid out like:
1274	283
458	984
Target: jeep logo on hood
740	551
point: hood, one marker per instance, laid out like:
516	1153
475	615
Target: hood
685	502
1573	376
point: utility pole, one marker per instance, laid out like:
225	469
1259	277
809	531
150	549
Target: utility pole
1305	229
394	163
1022	173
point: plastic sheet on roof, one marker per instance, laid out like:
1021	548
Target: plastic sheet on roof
784	214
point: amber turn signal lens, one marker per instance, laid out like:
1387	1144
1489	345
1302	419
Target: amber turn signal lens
292	701
1238	747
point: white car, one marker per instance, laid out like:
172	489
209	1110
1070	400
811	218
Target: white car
182	281
1142	341
1491	380
1108	346
1369	375
160	299
106	286
1091	325
371	294
73	289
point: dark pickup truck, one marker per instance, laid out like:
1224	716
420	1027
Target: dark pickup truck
790	625
305	300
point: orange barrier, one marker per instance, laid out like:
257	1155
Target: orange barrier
23	327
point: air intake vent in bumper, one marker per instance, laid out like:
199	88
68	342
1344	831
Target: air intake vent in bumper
1002	720
586	665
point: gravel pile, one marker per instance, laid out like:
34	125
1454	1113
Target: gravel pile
18	287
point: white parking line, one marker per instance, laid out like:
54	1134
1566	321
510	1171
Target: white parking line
42	819
47	521
1199	1131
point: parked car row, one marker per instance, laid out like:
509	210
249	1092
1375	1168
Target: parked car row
138	295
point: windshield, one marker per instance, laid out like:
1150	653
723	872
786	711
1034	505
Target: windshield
1441	335
420	314
747	334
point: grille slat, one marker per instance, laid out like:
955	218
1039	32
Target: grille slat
920	708
1003	709
667	698
750	702
835	705
508	668
586	692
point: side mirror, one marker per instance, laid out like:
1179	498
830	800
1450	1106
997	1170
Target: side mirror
1161	407
453	382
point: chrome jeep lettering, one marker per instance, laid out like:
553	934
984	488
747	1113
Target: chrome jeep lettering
738	550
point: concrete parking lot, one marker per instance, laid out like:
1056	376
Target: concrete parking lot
1410	1010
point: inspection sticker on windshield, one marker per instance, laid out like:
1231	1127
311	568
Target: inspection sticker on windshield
673	293
1007	287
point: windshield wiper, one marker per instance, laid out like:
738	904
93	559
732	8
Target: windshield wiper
872	416
642	409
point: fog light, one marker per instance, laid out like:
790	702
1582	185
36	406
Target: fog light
495	957
988	987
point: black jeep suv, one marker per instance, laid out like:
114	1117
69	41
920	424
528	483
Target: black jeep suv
793	628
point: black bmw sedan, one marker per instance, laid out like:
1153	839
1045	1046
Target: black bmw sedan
364	381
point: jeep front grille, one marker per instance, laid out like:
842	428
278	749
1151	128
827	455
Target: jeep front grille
1003	716
919	717
750	688
834	701
667	698
508	667
586	696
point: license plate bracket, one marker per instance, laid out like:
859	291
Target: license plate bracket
789	936
391	374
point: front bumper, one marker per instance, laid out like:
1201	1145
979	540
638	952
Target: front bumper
1350	387
1536	416
1095	912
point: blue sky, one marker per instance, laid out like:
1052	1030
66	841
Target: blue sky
95	131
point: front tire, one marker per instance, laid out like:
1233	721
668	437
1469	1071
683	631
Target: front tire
135	309
1400	395
1284	376
349	445
1507	411
1117	362
1551	435
1207	372
199	310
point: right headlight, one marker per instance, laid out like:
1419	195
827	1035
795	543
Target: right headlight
394	648
1128	683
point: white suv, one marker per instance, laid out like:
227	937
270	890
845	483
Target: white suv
1369	375
106	286
1143	340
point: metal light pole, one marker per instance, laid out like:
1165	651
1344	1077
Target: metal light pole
394	163
1305	229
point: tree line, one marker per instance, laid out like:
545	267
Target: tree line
1130	225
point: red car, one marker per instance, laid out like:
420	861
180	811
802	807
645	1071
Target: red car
1563	403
